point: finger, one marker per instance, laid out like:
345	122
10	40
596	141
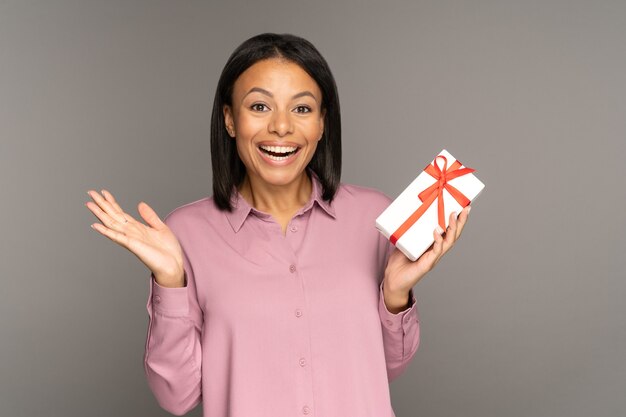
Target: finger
452	228
450	232
104	217
150	216
106	207
109	197
438	244
462	220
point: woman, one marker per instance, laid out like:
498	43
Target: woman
276	296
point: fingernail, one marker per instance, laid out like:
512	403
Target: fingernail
468	209
439	229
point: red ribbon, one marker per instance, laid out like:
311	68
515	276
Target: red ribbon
435	191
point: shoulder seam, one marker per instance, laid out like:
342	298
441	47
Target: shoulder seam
175	209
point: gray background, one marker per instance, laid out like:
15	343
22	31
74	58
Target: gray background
524	317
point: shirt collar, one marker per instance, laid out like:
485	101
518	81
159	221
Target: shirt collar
241	208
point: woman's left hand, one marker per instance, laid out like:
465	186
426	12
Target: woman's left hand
401	274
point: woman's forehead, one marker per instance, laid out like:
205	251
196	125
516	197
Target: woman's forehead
276	76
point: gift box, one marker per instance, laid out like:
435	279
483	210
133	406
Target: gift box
444	186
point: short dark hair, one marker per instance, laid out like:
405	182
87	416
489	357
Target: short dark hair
228	169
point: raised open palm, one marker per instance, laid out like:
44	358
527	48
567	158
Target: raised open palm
154	244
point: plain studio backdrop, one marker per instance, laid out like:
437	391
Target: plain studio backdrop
525	317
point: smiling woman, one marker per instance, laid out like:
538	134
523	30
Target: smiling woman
276	296
275	91
277	121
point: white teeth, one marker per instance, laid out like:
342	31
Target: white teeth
279	149
277	158
285	151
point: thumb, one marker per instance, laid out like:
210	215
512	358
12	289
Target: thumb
150	216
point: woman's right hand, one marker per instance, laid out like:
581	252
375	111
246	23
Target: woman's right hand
155	244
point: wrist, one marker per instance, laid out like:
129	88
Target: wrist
171	282
396	302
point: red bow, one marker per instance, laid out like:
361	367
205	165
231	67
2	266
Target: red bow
435	191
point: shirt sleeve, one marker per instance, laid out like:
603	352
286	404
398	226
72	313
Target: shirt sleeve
401	332
173	352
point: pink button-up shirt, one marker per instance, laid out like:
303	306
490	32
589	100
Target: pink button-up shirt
273	325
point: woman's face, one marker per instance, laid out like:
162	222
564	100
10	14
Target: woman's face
276	120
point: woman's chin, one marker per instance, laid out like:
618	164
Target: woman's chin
280	177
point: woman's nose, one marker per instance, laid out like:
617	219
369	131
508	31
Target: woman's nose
280	123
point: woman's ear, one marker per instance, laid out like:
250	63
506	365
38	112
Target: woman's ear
229	120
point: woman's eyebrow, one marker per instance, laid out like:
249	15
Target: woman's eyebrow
267	93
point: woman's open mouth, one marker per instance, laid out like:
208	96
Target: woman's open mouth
278	153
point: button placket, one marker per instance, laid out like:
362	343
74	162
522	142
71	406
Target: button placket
291	244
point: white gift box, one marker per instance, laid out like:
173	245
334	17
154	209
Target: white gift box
396	222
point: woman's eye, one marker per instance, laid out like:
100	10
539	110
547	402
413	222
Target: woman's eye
258	106
303	109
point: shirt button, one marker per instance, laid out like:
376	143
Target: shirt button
306	410
298	313
292	268
389	322
302	362
157	299
293	228
407	318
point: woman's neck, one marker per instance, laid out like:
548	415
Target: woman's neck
277	199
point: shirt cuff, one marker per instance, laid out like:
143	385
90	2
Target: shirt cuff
399	320
173	302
